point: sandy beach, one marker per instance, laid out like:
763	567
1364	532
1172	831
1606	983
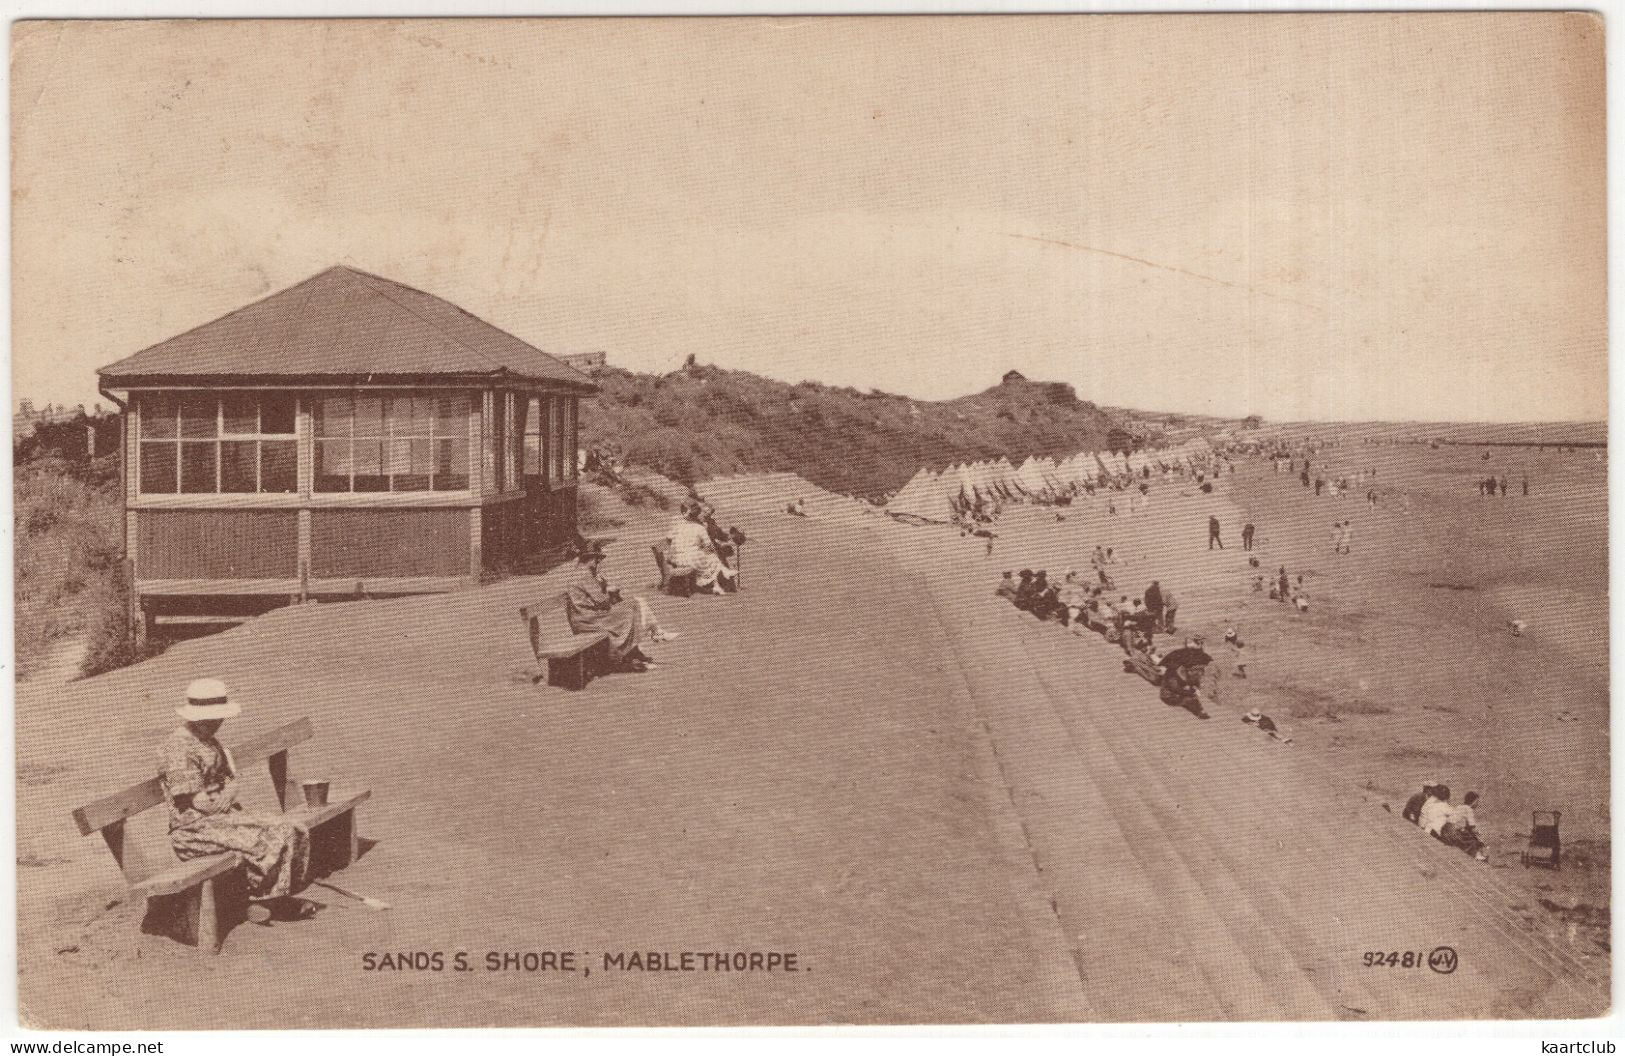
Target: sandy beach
949	811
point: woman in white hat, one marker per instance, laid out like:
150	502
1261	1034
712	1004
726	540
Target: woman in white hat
200	784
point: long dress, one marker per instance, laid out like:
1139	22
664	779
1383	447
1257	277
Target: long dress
275	850
691	547
589	607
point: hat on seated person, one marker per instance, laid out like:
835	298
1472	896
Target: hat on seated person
1252	716
207	699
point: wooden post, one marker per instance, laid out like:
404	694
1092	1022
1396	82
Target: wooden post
208	919
278	764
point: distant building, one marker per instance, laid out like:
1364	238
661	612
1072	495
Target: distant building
346	436
583	360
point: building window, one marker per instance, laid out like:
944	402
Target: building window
535	423
555	438
391	443
516	439
239	443
573	459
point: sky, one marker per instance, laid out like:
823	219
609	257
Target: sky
1340	217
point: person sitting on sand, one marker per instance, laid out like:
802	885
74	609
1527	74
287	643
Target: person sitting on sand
1461	829
1071	597
1436	811
1006	588
592	605
1025	591
1266	724
797	508
691	547
199	780
1413	806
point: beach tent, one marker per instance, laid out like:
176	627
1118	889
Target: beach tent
1005	477
922	497
1032	477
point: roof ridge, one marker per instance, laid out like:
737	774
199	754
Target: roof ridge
353	273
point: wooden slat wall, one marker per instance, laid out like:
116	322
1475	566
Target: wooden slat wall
216	544
369	543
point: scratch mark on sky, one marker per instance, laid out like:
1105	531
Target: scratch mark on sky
1168	267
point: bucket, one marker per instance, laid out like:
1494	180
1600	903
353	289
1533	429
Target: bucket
315	793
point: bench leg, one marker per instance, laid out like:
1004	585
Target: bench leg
200	916
333	845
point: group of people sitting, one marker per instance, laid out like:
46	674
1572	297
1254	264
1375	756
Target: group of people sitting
1132	624
697	545
1457	825
1282	588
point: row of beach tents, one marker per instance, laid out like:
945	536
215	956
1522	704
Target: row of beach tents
936	495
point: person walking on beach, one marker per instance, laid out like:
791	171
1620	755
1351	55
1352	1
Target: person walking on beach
1284	585
1213	533
1247	536
1503	487
1170	610
1526	486
1345	538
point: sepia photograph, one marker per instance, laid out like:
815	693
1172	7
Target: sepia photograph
810	521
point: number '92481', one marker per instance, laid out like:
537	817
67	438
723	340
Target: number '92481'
1395	959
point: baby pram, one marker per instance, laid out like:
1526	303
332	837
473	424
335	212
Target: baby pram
1545	847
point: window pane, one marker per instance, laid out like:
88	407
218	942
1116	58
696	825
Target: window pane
198	416
572	436
369	416
158	468
333	415
410	415
198	466
410	465
237	458
333	465
557	419
451	465
451	416
499	458
242	414
277	414
369	466
279	466
158	417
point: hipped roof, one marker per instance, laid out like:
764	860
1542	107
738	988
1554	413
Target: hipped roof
346	323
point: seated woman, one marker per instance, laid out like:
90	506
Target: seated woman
691	547
1071	597
199	780
591	604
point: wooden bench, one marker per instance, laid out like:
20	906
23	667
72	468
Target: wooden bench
674	580
571	659
198	901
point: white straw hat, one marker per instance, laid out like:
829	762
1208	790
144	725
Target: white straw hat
206	698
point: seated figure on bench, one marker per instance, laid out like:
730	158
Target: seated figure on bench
200	784
593	605
692	547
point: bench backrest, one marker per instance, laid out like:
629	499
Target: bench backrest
143	795
108	814
548	608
